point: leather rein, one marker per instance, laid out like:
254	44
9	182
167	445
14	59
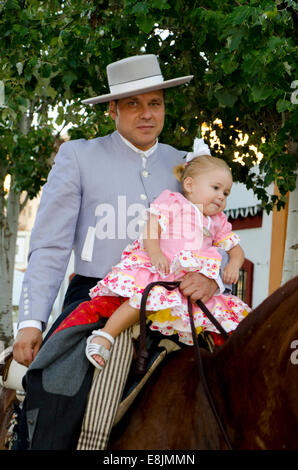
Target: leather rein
143	355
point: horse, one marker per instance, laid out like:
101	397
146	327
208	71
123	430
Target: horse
253	379
7	399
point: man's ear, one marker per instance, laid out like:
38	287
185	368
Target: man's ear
113	109
187	184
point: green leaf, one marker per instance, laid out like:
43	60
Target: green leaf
226	98
261	93
116	43
234	40
12	5
146	23
240	15
160	4
141	8
229	65
271	14
69	77
51	92
283	105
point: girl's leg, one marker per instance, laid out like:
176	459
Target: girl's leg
124	317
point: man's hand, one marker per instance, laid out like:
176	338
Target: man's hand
26	345
197	286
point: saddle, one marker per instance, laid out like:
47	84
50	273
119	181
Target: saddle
11	373
158	347
150	351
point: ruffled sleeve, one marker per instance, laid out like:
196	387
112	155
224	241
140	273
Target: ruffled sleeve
164	206
224	237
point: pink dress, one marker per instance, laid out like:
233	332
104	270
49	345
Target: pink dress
189	240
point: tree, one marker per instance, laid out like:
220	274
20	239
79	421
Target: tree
24	149
41	64
243	56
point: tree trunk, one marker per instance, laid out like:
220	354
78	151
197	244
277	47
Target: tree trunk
290	267
9	219
9	228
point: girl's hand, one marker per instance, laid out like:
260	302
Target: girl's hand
160	262
230	274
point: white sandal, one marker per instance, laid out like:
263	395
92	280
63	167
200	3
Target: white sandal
93	348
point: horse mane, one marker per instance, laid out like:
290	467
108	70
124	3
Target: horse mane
261	314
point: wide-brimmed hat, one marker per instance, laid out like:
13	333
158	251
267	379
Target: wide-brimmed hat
135	75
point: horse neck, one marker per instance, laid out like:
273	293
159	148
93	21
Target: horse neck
265	329
250	365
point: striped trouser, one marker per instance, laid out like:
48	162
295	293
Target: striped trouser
105	395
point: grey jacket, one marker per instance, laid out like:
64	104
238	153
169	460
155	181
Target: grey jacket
93	202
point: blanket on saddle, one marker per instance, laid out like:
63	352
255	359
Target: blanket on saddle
64	350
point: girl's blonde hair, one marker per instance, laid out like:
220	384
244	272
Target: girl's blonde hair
198	165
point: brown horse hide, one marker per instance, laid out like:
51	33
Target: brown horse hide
7	397
254	381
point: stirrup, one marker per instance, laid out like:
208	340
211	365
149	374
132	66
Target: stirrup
93	348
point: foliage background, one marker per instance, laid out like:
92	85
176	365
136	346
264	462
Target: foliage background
242	54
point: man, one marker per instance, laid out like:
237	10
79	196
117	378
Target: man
89	204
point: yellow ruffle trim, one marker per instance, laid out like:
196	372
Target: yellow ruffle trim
163	316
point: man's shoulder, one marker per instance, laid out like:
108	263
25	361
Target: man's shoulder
166	148
169	147
87	143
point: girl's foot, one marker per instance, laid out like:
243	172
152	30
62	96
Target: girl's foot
98	348
105	343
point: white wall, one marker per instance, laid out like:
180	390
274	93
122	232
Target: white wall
256	243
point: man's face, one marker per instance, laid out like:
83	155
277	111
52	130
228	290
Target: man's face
139	118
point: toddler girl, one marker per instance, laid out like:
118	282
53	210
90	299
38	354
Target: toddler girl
182	234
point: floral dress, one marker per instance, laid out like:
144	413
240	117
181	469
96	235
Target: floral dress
189	241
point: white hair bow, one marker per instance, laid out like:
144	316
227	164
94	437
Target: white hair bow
199	148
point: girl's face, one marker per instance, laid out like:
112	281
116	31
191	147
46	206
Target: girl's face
210	189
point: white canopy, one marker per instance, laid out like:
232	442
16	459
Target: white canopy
242	202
